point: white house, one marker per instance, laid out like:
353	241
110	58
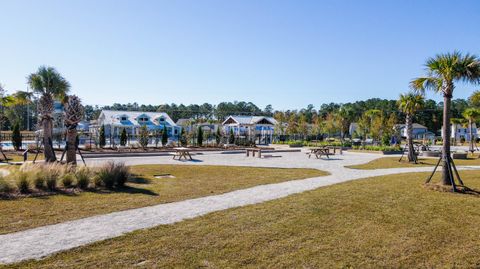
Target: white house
258	127
419	131
115	121
459	131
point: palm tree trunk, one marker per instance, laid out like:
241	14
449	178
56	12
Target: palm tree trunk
47	140
471	135
72	146
446	140
411	150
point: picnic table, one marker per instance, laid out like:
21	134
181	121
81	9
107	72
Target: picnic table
253	150
319	152
182	153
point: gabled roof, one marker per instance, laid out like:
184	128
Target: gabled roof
113	117
182	122
414	126
249	119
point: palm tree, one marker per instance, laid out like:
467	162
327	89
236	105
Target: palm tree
50	85
409	104
474	99
73	115
471	114
443	71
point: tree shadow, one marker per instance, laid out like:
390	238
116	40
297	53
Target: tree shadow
137	179
124	189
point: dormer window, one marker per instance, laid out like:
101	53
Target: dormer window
123	118
161	119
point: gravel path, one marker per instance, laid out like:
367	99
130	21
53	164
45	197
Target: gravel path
40	242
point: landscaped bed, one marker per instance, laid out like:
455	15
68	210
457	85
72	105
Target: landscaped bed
392	162
388	221
142	190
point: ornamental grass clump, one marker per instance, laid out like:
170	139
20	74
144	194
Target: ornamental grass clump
21	179
5	187
38	179
112	175
82	176
67	180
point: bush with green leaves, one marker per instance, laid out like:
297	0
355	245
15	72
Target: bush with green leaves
123	137
199	136
101	139
183	138
164	136
378	148
231	137
143	136
16	137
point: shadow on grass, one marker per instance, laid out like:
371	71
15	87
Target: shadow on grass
137	179
125	189
191	161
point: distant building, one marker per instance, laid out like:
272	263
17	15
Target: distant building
115	121
259	127
459	131
418	131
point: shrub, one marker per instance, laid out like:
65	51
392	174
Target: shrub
83	177
16	137
38	180
183	138
123	137
101	139
164	136
143	136
4	186
112	174
23	184
67	180
200	136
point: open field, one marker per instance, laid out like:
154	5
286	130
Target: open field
392	162
387	221
144	190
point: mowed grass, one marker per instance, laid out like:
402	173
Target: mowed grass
388	222
392	162
144	190
18	156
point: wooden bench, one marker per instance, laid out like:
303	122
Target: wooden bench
253	150
182	153
319	152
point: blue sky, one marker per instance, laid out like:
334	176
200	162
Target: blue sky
285	53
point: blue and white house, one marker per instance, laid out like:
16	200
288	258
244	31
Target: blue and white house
418	131
115	121
260	127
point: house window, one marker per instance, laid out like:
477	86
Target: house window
161	119
124	118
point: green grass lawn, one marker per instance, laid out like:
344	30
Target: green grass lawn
189	182
389	221
392	162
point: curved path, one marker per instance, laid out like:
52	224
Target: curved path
40	242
